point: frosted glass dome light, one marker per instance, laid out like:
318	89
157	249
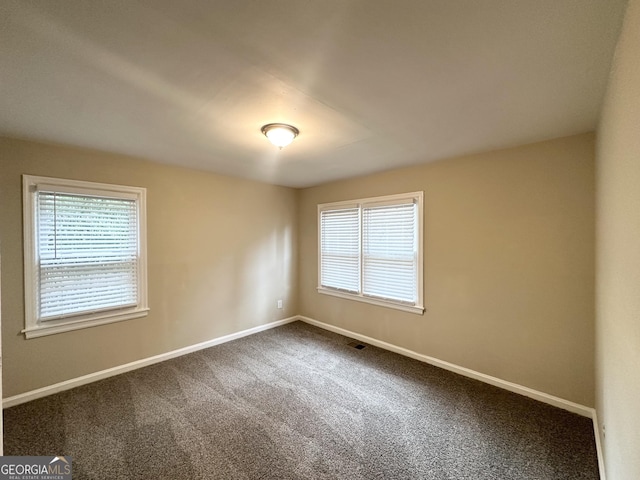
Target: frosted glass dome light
280	134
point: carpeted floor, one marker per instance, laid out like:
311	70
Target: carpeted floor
298	402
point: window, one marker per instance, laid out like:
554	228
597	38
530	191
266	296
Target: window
371	250
84	254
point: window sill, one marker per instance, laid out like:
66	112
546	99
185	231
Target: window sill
93	321
416	309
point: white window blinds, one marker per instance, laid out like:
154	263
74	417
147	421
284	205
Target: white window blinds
340	249
87	254
371	250
389	255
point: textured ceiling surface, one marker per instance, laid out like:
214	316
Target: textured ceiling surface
371	84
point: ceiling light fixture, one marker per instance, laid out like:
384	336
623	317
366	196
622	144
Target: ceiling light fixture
280	134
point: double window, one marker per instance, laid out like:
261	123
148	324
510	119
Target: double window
85	260
371	250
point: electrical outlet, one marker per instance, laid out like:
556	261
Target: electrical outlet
279	303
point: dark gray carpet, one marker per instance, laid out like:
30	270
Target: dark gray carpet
297	402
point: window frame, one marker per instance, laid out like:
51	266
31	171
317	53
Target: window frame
418	199
33	326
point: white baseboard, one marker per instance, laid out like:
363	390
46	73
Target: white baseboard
110	372
512	387
599	446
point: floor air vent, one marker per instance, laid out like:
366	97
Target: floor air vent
357	345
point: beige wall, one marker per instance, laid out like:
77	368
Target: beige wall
618	258
509	253
221	251
509	264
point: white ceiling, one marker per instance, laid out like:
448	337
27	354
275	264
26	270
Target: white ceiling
371	84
